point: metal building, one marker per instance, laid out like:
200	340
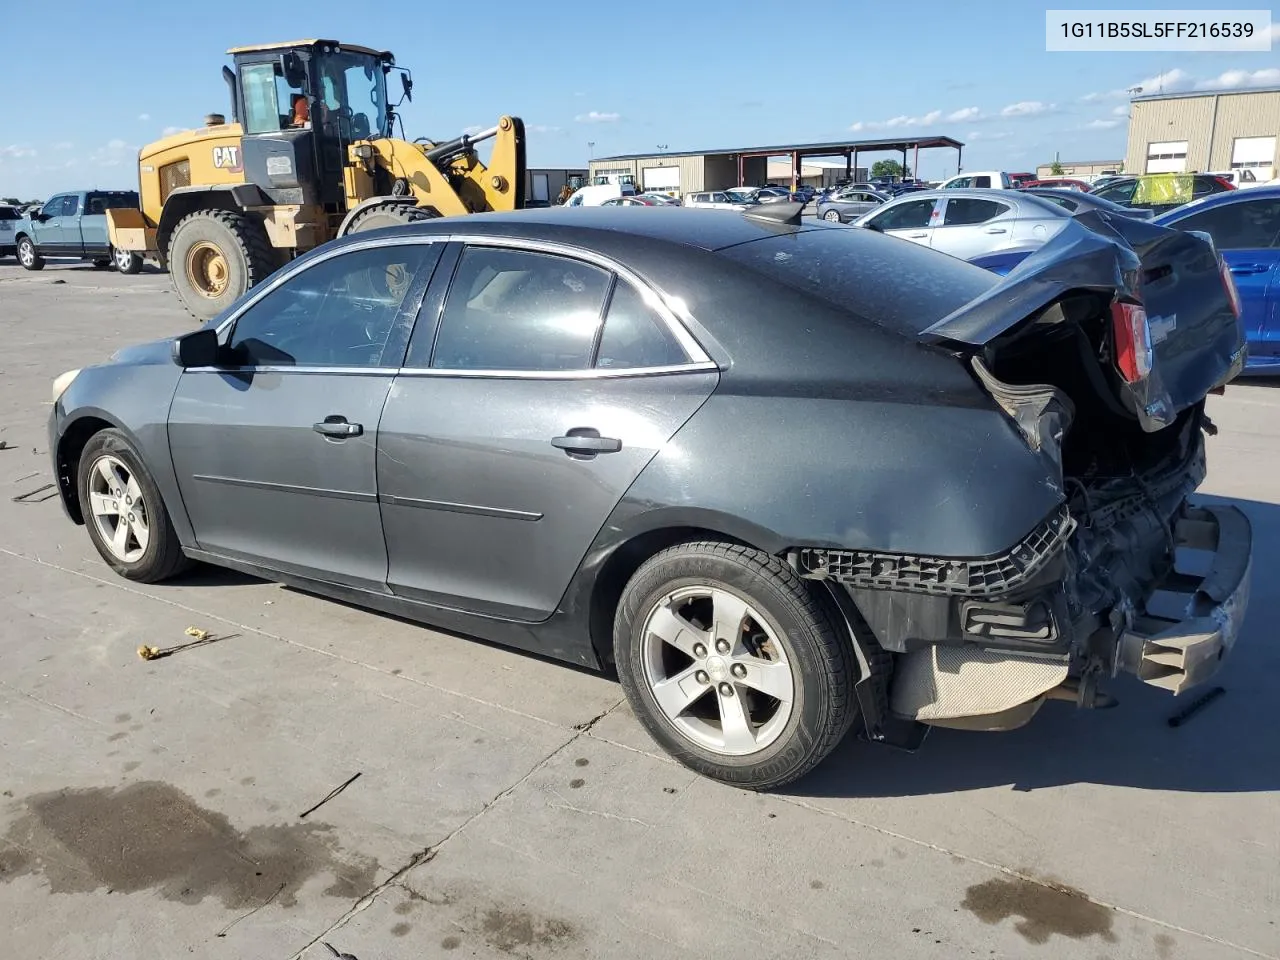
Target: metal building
1205	131
1079	168
695	170
542	185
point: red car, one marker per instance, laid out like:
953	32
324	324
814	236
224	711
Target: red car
1062	183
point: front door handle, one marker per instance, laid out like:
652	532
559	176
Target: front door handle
586	442
922	233
995	230
1247	268
338	427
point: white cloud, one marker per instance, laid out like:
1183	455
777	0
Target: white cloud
1026	108
1242	78
967	113
144	117
170	131
114	154
541	128
1101	124
1170	81
1120	111
62	145
17	151
989	135
893	123
595	116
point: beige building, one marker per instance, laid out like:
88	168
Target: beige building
1079	168
1205	132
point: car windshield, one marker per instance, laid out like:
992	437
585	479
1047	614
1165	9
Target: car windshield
834	265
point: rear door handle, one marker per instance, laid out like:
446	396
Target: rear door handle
1244	268
922	233
586	442
995	230
338	427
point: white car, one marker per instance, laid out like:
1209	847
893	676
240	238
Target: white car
716	200
982	180
598	193
1240	178
9	216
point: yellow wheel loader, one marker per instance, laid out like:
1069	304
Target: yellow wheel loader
310	156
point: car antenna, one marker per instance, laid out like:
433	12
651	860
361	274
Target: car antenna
783	212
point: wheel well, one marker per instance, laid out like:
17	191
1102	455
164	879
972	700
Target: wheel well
180	205
70	447
621	567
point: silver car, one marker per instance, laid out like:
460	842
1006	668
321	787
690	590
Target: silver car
716	200
967	223
849	205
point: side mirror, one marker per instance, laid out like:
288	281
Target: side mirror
197	349
406	83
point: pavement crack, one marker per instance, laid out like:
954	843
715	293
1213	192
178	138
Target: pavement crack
49	703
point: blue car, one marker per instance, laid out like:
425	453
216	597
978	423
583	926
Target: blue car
1245	226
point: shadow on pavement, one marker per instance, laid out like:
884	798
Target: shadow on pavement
1232	745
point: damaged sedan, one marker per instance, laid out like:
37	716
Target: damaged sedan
786	479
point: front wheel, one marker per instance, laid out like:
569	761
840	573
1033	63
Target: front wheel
831	216
126	261
27	255
122	508
734	664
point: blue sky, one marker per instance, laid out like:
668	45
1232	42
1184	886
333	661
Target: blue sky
686	76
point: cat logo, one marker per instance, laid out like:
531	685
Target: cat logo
227	158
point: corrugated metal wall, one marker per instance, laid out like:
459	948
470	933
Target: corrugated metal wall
691	169
1209	139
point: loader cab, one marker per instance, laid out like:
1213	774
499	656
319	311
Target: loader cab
300	106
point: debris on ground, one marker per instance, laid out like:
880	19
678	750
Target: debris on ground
1195	706
330	795
200	638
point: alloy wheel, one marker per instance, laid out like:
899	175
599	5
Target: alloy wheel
118	509
717	671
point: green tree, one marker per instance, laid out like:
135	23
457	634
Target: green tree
889	168
1056	169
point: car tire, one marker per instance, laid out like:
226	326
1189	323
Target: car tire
786	641
111	472
28	256
832	216
127	262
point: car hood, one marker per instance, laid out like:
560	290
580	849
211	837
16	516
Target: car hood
157	351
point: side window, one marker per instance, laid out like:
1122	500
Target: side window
518	310
339	313
906	216
969	210
71	205
95	204
1239	226
960	184
982	183
261	107
54	207
576	200
1121	192
634	335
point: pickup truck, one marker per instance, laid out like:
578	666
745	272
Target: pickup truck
73	226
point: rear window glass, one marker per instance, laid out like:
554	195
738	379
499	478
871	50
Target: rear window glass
98	202
8	213
895	283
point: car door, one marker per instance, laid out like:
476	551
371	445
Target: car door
970	226
1247	233
909	219
93	224
46	228
520	420
274	448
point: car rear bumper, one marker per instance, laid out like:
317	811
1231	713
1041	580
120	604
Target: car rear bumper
1190	622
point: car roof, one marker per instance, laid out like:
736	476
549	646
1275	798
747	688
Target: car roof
590	227
1217	200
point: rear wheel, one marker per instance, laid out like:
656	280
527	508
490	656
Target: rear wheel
214	256
733	664
126	261
389	215
831	216
123	510
27	255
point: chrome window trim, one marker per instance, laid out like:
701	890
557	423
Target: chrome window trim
674	313
587	374
309	369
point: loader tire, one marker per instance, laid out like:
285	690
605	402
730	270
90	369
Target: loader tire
390	215
215	256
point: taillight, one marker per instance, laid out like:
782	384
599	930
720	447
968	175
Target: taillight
1133	341
1229	284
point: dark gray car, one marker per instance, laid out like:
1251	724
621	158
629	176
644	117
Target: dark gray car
718	453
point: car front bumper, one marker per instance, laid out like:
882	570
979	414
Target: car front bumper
1191	620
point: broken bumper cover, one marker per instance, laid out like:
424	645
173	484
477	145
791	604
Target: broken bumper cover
1191	622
